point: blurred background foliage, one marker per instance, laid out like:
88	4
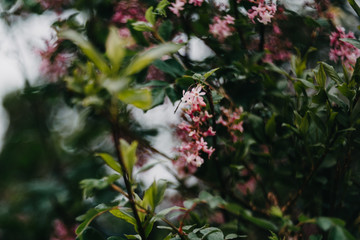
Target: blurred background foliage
291	126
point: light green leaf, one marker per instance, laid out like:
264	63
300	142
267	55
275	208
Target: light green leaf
145	58
154	194
115	48
140	98
150	16
160	8
86	48
143	26
355	6
128	153
123	215
110	161
209	73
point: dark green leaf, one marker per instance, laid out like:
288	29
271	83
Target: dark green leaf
165	30
355	6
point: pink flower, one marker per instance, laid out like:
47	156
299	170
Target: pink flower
56	5
220	29
196	2
231	120
126	10
344	51
177	7
54	65
193	130
263	12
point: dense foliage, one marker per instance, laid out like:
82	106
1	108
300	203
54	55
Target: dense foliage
267	138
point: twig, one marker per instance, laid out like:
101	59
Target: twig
116	137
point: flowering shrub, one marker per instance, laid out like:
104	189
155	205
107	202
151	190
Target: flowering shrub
267	143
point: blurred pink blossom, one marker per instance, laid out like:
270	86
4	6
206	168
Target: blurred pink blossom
263	12
126	10
54	65
56	5
221	28
62	232
344	51
177	7
231	120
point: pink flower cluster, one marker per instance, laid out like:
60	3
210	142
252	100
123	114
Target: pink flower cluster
194	129
126	10
61	232
342	50
54	65
263	12
221	28
178	5
231	120
277	46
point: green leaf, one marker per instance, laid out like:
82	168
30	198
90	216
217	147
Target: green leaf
165	30
160	8
154	194
128	153
234	236
124	216
212	233
143	26
137	236
170	66
324	223
110	161
330	71
140	98
347	91
89	216
166	211
88	185
145	58
320	76
209	73
306	83
150	16
86	48
276	211
115	48
355	6
354	42
316	237
270	127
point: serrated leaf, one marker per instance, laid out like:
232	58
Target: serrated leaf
110	161
86	48
128	153
140	98
145	58
115	50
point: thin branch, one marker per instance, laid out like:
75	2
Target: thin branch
116	137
